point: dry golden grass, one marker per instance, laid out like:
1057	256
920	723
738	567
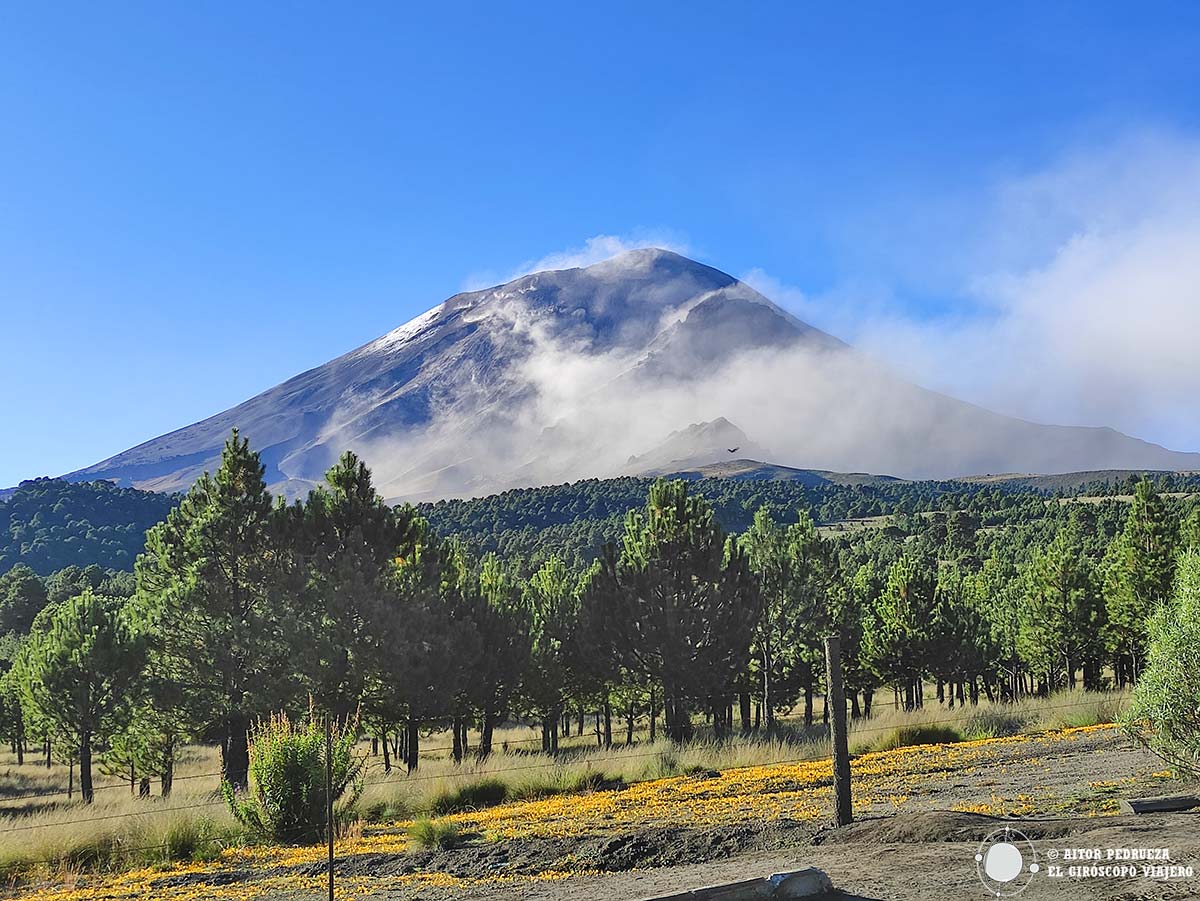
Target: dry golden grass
119	830
883	783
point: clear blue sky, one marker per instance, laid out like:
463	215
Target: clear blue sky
200	200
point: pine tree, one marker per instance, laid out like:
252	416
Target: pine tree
677	605
499	611
1139	572
209	582
896	637
1189	532
22	596
344	542
75	675
552	596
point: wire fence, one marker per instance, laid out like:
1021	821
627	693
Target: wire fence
437	753
399	777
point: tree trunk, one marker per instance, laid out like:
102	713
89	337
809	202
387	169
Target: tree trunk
717	708
235	753
85	767
653	715
868	698
629	718
167	781
607	722
387	756
487	728
457	745
414	745
144	787
808	696
745	710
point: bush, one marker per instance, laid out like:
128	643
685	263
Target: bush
994	723
1165	712
432	834
904	736
286	801
473	796
194	840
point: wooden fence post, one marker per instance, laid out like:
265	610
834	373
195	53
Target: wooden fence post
836	696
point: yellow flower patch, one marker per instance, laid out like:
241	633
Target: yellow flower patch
883	782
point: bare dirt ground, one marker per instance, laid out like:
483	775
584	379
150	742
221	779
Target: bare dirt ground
919	857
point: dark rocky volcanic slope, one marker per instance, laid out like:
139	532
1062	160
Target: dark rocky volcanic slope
568	374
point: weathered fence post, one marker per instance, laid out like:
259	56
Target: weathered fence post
836	696
329	822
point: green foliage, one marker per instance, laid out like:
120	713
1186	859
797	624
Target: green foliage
906	736
76	675
1165	713
344	543
896	636
210	592
287	800
1139	572
22	597
678	605
472	796
795	575
49	524
1063	615
435	834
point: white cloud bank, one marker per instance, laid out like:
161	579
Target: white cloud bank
1080	289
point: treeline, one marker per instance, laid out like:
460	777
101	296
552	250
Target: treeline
574	521
50	524
243	606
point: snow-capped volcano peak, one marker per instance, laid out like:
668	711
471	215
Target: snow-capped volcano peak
567	373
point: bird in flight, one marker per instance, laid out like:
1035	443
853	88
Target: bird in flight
733	450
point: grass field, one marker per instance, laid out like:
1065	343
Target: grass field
555	838
42	833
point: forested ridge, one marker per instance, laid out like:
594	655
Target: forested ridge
50	524
706	605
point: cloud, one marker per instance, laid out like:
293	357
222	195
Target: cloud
595	249
1076	293
1075	298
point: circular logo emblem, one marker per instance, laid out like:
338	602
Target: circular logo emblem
1006	862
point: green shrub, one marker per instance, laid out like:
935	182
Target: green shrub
434	834
286	801
994	723
194	840
904	736
1165	711
473	796
1102	710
